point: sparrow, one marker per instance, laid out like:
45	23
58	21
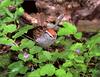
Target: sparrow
47	38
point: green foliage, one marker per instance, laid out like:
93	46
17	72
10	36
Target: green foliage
95	51
4	60
67	64
60	73
76	46
8	13
19	11
35	73
6	41
35	49
5	3
18	2
26	43
44	56
69	58
93	41
22	57
81	67
67	29
78	35
69	74
9	28
47	69
5	29
96	73
17	67
96	70
79	59
22	30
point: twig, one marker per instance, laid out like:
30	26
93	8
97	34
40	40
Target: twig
30	18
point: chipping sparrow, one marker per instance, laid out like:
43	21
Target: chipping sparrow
47	38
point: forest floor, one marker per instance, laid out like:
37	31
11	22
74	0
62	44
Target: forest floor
44	14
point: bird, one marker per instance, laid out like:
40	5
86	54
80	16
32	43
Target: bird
47	38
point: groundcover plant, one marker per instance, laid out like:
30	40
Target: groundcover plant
73	54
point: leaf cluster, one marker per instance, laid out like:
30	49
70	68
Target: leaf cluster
75	58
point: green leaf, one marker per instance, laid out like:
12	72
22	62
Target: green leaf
8	19
59	40
26	43
16	48
4	60
35	73
78	35
48	69
21	56
60	73
35	60
44	56
55	55
76	46
81	67
18	2
75	72
23	70
67	29
35	49
63	41
95	73
9	28
95	51
47	55
67	64
6	41
19	11
22	30
2	12
69	74
93	40
12	74
62	31
97	66
8	13
17	67
79	59
5	3
71	55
